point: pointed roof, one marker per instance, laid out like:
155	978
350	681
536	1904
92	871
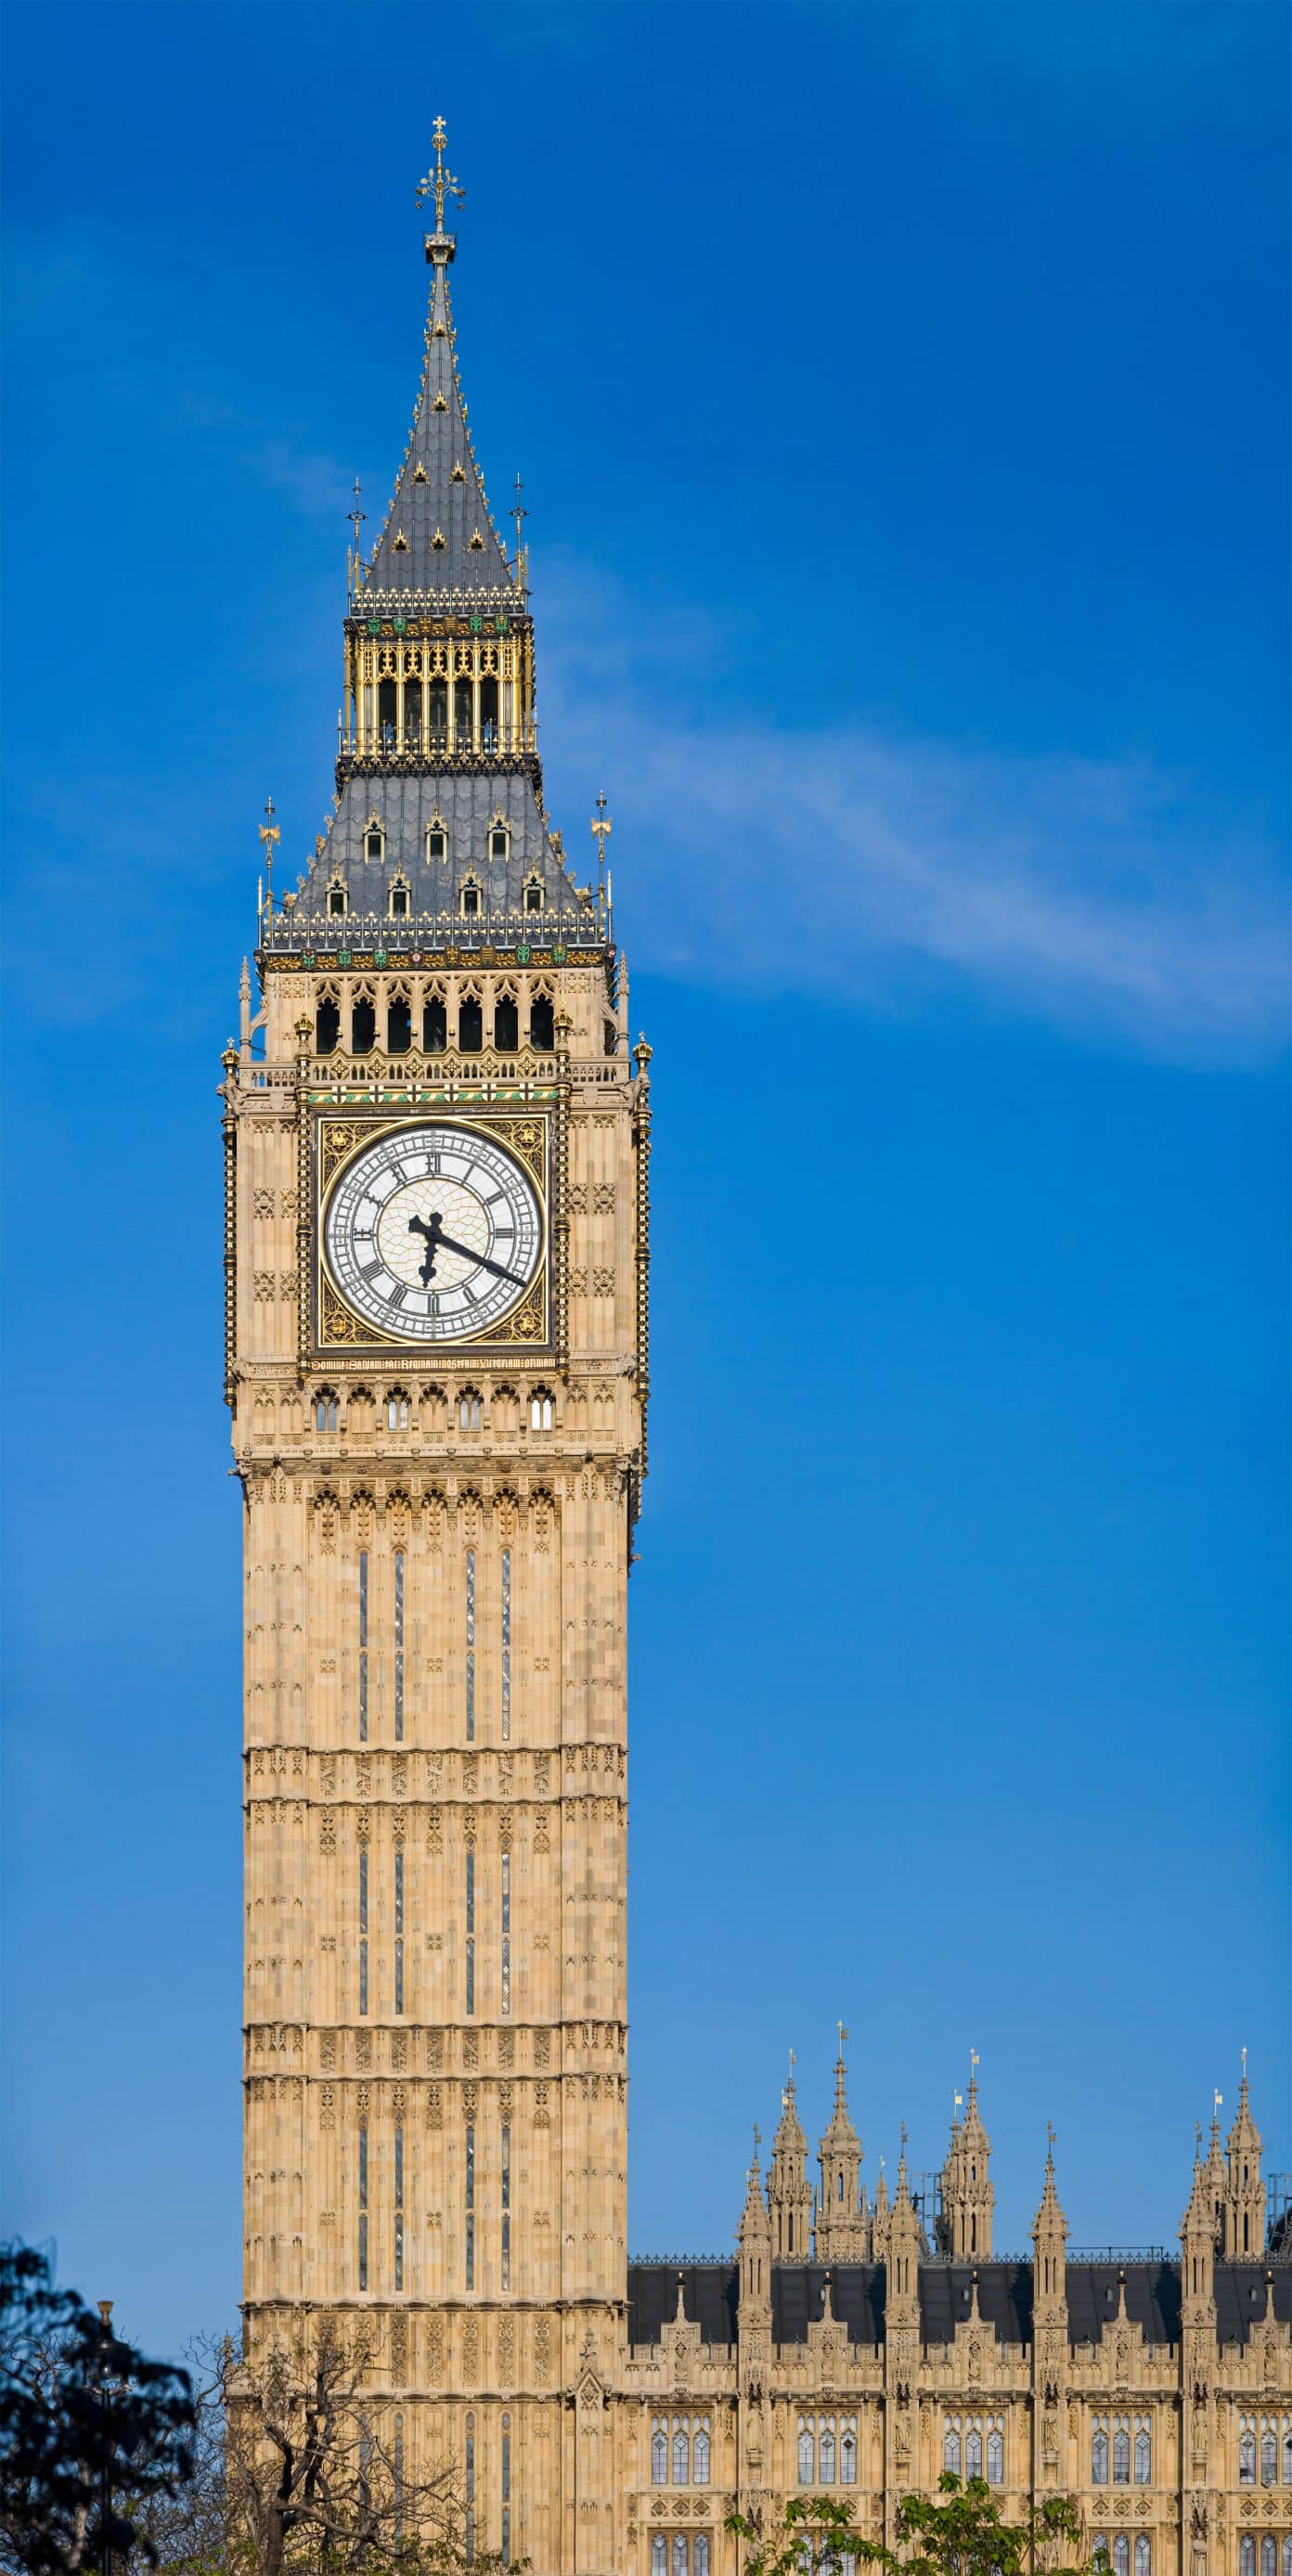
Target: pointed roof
840	2138
789	2139
438	532
1244	2136
754	2219
1049	2219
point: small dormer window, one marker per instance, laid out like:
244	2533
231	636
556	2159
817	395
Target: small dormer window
498	841
419	473
374	842
470	900
533	896
399	900
437	842
459	474
336	900
401	542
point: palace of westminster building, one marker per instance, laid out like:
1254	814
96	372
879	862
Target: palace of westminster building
437	1135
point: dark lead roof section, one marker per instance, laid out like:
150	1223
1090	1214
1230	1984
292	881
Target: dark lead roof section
1152	2300
710	2293
708	2299
1004	2300
466	802
432	499
1241	2295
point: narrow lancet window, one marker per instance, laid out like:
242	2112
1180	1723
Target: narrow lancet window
399	1637
399	2209
471	2209
506	1645
506	2492
506	2205
471	1644
363	2208
506	1933
399	1927
363	1930
471	1928
363	1645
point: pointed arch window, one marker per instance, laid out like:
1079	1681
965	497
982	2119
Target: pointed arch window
1143	2452
995	2457
951	2451
397	1410
1286	2567
700	2456
470	900
533	894
327	1024
1099	2548
659	2555
681	2456
435	1024
374	839
1269	2554
506	1024
848	2455
499	839
1143	2555
700	2554
807	2456
542	1023
1121	2554
468	1410
336	899
325	1410
1121	2452
1269	2456
399	1023
973	2452
1246	2451
1287	2459
659	2457
825	2455
540	1410
470	1024
399	898
1247	2555
363	1024
1099	2454
680	2547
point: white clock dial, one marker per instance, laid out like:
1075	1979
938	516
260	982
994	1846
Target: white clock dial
433	1233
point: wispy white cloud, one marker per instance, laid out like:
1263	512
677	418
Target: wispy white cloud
1097	893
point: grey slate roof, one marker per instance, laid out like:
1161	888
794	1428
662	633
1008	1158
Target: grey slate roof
437	501
711	2291
466	802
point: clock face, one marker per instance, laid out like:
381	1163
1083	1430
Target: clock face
433	1234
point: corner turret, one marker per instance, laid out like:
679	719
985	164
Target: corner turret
789	2198
842	2234
968	2197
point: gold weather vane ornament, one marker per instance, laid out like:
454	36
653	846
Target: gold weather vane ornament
440	183
269	833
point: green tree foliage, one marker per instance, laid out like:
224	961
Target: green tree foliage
90	2430
960	2532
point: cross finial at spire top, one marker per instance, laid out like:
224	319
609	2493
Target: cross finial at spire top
269	831
842	2029
440	183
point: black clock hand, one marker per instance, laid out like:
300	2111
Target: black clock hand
418	1225
481	1258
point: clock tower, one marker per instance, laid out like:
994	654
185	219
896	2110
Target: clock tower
436	1145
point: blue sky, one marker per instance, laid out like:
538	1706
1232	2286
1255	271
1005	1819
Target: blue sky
901	396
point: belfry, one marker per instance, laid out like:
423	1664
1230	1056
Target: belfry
437	1139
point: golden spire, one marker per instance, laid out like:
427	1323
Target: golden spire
440	183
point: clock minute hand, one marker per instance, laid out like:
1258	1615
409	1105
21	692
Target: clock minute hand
481	1258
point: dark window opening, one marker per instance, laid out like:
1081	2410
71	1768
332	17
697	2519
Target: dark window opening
610	1037
439	714
336	900
363	1027
470	1027
387	713
498	844
489	714
399	903
541	1032
435	1027
470	899
437	843
375	843
327	1030
506	1025
462	708
533	898
399	1027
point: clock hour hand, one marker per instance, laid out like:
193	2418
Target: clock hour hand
431	1230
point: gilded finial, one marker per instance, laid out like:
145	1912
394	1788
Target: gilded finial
269	833
440	183
519	513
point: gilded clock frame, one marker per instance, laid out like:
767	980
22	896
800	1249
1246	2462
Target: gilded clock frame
337	1135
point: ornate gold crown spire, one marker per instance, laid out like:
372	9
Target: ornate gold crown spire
440	183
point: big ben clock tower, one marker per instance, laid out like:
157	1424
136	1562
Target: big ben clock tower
436	1244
